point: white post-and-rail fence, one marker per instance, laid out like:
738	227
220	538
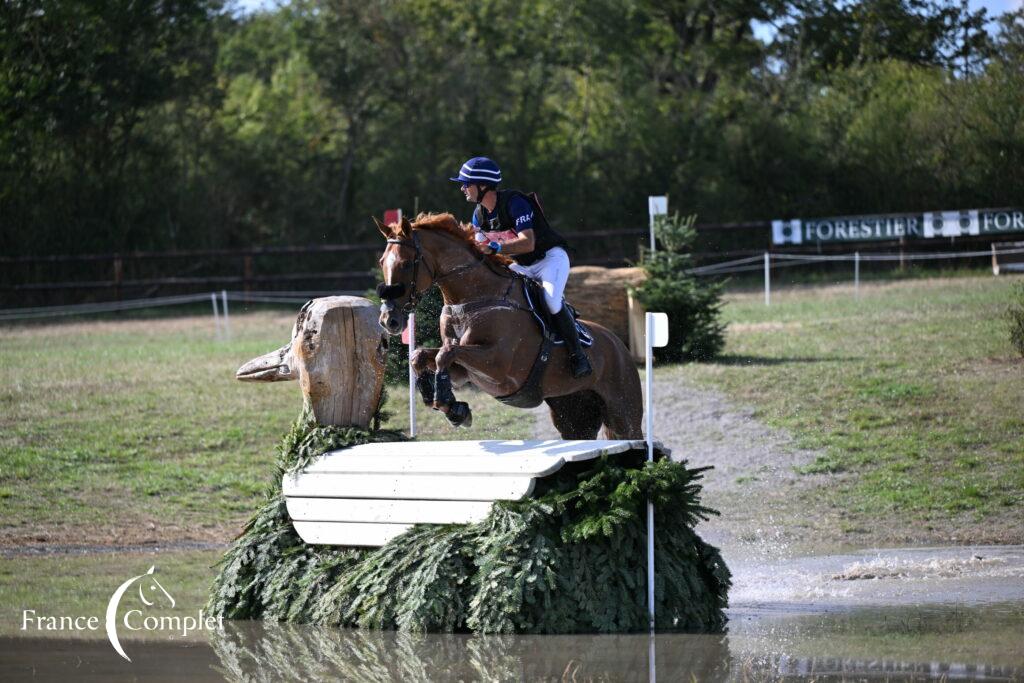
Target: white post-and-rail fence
218	301
764	262
769	260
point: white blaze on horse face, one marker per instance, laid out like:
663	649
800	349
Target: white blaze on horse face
389	266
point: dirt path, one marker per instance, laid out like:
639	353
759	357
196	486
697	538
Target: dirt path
754	483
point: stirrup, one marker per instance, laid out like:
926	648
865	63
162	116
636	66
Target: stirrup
579	365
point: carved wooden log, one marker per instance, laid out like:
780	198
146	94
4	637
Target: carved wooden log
337	354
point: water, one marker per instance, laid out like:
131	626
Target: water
908	614
904	576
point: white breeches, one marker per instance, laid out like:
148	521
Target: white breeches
553	273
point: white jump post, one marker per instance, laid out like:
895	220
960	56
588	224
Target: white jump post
392	216
412	375
856	273
224	304
656	336
656	206
767	279
216	315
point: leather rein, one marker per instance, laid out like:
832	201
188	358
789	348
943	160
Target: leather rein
416	296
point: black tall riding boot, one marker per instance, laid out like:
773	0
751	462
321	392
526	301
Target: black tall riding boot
579	364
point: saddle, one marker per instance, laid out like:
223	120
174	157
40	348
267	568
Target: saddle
534	294
530	394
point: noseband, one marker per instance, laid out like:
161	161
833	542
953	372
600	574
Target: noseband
388	292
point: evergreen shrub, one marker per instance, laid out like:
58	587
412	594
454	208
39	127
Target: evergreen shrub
693	306
571	559
428	334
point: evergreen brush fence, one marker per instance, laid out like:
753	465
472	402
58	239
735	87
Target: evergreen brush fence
570	559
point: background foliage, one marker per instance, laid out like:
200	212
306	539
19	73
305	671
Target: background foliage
154	125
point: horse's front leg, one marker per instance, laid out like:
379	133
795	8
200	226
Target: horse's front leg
446	373
456	358
424	366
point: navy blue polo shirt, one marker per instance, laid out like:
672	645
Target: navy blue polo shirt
519	210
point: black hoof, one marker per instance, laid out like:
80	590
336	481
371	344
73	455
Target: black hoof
459	414
425	383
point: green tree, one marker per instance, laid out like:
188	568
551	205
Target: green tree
693	306
77	79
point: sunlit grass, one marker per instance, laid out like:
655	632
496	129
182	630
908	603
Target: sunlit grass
912	388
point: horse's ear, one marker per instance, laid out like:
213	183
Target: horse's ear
406	227
384	230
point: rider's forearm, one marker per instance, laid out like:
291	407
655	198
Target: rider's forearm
523	244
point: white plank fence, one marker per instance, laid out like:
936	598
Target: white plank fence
366	495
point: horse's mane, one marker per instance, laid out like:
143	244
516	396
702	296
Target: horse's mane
447	223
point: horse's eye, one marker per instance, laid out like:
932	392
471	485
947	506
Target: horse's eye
405	266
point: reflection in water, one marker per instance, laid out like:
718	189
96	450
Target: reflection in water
942	641
897	643
272	652
951	642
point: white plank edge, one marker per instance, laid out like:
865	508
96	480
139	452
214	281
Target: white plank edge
421	449
448	448
349	533
408	486
527	465
387	511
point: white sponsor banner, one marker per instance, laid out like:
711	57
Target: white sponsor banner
787	232
905	226
951	223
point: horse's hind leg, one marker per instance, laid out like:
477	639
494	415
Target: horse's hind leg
622	423
623	415
577	416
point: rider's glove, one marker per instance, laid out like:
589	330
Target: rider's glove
495	247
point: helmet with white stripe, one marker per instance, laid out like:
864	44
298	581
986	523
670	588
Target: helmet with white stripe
479	170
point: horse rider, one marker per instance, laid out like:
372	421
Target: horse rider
536	249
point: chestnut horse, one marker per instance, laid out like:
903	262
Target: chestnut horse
491	338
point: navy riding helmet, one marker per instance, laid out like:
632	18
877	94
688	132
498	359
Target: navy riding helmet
479	170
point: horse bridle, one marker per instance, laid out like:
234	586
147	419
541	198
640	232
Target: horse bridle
415	297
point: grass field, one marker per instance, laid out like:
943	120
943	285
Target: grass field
82	584
124	432
135	431
912	393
